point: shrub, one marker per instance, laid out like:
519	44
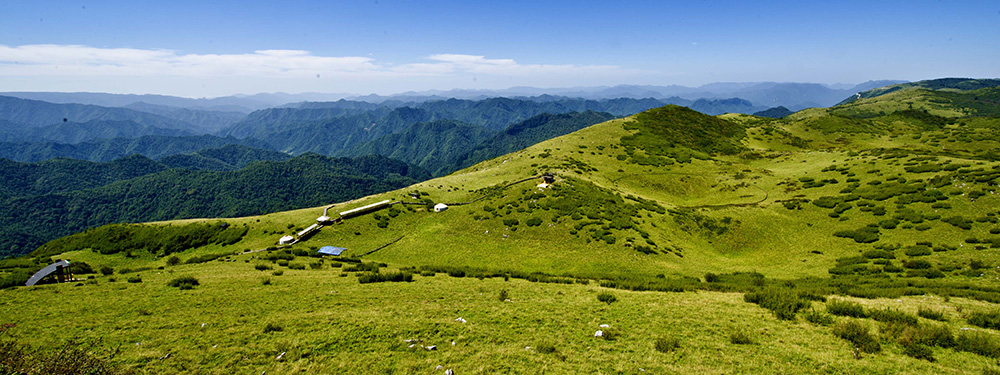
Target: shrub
985	319
265	281
711	277
740	337
606	297
183	282
271	327
845	308
857	334
919	351
819	318
296	266
135	279
545	348
980	343
503	296
456	273
781	301
666	344
278	273
918	250
262	267
610	333
892	316
173	260
924	334
315	265
533	222
510	222
375	277
105	270
931	314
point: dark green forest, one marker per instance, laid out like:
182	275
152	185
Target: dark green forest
86	195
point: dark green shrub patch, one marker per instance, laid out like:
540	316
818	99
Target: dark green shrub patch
183	282
666	344
932	314
857	333
845	308
376	277
819	318
783	302
892	316
917	250
606	297
980	343
861	235
989	320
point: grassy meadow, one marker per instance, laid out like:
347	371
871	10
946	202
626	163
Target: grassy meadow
857	239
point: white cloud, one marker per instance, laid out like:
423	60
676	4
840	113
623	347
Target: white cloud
276	69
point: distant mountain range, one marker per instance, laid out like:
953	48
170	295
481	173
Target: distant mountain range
766	94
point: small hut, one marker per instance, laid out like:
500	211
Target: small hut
440	207
285	240
60	269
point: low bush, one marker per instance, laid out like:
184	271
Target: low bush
271	327
666	344
183	282
783	302
919	351
980	343
606	297
262	267
845	308
819	318
278	272
296	266
989	320
173	260
892	316
545	348
928	313
106	271
857	333
375	277
740	337
135	279
503	295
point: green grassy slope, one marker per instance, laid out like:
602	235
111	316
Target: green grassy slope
898	208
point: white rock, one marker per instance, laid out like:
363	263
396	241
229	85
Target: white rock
460	320
432	347
605	326
599	334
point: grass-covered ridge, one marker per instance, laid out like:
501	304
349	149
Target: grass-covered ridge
824	241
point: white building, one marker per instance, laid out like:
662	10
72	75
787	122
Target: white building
440	207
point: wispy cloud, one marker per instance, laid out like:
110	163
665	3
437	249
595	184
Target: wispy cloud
82	63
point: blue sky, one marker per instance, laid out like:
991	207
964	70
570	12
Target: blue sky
213	48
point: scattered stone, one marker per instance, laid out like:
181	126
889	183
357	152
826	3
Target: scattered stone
599	334
449	372
439	367
460	320
432	347
166	356
279	356
605	326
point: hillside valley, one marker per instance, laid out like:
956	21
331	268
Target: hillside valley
857	239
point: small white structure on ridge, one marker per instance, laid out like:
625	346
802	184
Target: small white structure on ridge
440	207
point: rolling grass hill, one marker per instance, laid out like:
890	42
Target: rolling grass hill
841	240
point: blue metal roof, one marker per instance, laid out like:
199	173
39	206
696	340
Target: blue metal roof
48	270
330	250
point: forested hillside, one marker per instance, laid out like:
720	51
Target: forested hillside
59	197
